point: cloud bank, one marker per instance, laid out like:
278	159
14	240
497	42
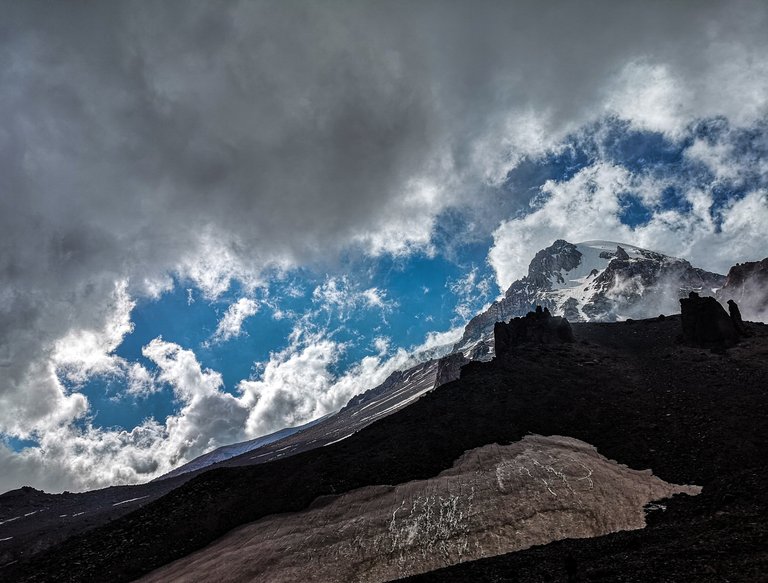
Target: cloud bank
589	206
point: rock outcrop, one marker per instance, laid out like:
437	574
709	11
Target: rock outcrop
482	351
449	368
537	327
738	322
706	323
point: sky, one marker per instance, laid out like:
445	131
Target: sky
219	220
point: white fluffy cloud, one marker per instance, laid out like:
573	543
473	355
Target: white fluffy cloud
209	417
651	97
85	352
472	291
296	386
68	457
230	325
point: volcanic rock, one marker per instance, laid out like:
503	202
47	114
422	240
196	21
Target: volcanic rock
706	323
482	351
449	368
738	322
538	327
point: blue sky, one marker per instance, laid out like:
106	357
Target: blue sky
217	222
415	290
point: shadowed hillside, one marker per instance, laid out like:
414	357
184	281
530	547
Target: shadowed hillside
631	389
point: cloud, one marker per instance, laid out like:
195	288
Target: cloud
296	386
381	345
375	298
471	291
651	97
140	382
89	457
343	297
86	352
588	206
230	325
209	417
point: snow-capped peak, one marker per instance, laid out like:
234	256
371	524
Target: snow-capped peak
595	281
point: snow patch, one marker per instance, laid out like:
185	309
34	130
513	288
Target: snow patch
129	500
2	522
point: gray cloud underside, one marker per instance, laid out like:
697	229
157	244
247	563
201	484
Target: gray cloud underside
212	140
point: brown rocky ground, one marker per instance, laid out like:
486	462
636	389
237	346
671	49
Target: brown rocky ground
494	500
630	389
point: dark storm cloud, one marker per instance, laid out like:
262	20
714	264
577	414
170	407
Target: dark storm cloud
212	140
293	127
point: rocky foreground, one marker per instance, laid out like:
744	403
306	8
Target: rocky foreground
631	390
494	500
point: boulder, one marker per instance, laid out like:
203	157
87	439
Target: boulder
706	323
621	253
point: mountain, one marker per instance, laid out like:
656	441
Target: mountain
592	281
526	440
407	429
595	281
229	451
747	284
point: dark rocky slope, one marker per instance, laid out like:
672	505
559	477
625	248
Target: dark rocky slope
31	520
629	389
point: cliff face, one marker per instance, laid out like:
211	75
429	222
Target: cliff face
596	281
747	284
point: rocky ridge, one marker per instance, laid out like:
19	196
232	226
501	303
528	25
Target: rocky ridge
747	284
